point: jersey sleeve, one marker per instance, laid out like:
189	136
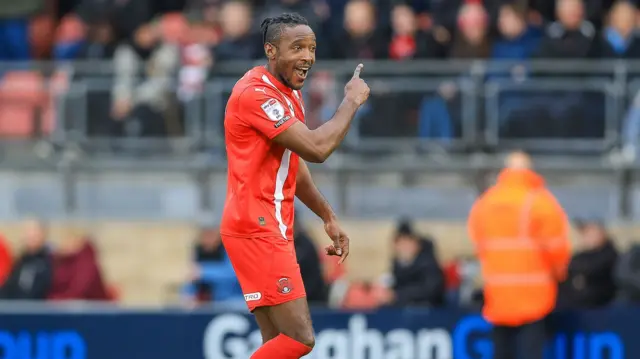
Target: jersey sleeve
264	109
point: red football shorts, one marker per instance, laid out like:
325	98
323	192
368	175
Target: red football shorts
267	269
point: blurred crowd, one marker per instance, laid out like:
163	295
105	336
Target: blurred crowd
163	52
416	278
229	29
598	275
70	271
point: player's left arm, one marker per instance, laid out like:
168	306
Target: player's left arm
309	194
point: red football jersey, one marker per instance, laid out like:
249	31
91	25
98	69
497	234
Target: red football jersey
261	180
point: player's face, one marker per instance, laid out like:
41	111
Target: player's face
296	54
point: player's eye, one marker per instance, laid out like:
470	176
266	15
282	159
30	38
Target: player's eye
297	48
313	49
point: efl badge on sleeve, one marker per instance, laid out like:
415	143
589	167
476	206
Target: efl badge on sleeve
273	109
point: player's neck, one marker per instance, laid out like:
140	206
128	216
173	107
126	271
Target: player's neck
271	69
274	74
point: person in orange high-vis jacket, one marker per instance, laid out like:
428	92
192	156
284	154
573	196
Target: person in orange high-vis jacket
521	235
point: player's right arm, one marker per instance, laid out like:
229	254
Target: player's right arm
264	109
316	145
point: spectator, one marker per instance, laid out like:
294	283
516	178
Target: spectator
569	113
100	42
364	40
30	278
521	238
76	271
69	39
208	11
99	45
571	37
445	12
238	43
205	22
138	108
127	15
196	60
321	100
409	42
518	40
212	277
361	295
544	8
310	267
627	275
594	9
14	28
471	41
620	38
313	11
417	276
469	294
590	281
440	116
360	39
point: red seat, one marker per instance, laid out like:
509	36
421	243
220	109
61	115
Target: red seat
22	94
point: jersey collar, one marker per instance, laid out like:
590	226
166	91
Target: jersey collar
274	81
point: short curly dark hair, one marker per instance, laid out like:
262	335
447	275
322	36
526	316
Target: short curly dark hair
272	27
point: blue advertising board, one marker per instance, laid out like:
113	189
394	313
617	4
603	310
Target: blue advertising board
392	334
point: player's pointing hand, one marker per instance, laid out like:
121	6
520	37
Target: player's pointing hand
356	89
356	73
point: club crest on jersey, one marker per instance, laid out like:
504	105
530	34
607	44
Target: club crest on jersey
284	287
273	109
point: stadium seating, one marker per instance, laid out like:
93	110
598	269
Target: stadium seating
22	97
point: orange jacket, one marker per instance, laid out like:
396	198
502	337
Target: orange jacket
521	235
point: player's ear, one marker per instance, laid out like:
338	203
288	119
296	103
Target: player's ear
270	51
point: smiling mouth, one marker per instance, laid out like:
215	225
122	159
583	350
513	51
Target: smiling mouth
302	72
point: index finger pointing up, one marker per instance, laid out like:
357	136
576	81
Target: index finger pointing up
356	73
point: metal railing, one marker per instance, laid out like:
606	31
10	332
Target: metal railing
481	104
583	105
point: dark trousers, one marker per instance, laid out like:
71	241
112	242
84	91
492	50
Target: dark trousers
522	342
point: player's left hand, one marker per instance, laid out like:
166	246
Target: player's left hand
340	246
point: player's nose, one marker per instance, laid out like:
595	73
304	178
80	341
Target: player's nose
308	56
